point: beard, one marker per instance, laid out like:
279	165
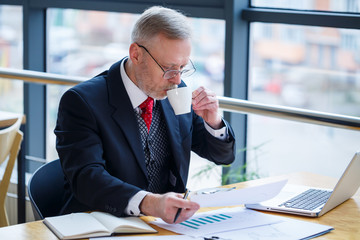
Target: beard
152	86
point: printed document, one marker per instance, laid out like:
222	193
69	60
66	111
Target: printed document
220	220
243	224
247	195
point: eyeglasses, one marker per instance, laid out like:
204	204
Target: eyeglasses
188	70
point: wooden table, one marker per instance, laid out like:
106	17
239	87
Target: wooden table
344	218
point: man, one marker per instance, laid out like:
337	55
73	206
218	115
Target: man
113	159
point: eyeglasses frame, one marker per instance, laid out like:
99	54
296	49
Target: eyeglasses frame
171	70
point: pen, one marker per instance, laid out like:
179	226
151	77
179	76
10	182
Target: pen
214	238
187	191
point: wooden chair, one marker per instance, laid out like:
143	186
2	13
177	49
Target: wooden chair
10	140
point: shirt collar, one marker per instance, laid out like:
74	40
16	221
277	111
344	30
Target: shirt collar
136	95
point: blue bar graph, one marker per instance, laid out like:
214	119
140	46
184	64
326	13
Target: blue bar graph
187	225
206	220
193	223
219	217
196	223
214	219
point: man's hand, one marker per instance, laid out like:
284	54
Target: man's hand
206	105
166	205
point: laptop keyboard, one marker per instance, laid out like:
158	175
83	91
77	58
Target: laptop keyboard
308	200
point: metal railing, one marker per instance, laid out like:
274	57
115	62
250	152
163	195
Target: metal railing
290	113
39	77
226	103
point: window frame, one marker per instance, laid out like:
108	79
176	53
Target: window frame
238	14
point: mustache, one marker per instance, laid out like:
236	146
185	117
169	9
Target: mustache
172	87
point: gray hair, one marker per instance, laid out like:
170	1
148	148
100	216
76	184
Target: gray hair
156	20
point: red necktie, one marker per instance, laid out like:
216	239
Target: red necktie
146	111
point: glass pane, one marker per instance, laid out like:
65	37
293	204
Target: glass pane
306	67
11	56
85	43
318	5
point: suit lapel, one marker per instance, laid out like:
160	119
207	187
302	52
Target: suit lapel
123	113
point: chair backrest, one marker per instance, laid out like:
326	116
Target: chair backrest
7	138
46	190
10	141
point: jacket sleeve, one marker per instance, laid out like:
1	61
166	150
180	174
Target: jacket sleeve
80	149
210	147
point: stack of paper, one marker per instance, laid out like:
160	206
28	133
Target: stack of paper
230	222
237	223
221	220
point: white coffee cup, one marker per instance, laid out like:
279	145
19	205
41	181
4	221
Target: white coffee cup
180	99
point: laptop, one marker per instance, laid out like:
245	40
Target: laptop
314	202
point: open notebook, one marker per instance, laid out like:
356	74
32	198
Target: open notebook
95	224
314	202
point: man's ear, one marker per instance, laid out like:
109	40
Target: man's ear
135	54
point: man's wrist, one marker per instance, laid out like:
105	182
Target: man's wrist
221	133
147	204
218	124
133	207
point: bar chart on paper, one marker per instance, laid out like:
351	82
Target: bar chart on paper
197	223
221	220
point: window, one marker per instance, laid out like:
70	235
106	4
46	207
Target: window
81	43
11	41
318	70
319	5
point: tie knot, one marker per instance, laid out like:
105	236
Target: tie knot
147	106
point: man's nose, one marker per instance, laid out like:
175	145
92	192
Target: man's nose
176	79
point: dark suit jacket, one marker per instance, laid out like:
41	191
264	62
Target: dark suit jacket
99	145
